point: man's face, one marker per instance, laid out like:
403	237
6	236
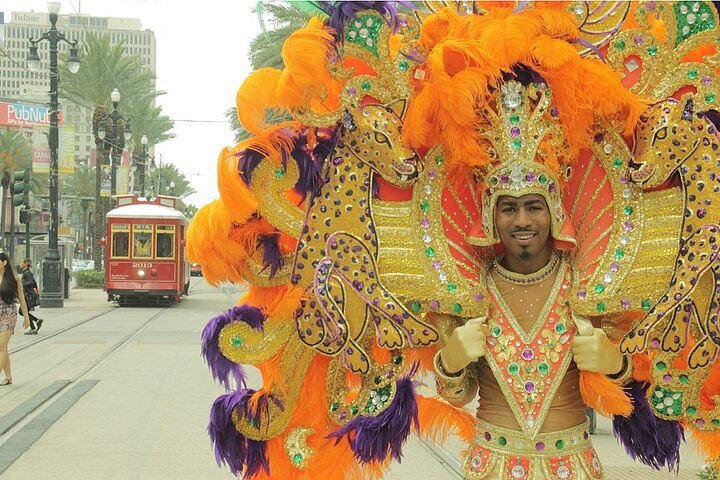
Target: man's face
523	225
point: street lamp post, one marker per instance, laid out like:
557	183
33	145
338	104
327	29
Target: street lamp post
52	293
114	138
144	163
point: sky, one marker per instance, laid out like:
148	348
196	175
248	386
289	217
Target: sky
201	62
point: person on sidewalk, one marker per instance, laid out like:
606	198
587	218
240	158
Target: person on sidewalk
11	291
32	295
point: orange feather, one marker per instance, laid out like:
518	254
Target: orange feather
604	396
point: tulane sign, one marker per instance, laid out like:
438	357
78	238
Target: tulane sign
18	114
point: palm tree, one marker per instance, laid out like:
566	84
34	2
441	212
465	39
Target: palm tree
15	154
103	68
166	179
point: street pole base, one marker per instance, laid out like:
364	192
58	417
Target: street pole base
51	295
55	301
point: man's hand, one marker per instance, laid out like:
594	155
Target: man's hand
465	345
596	353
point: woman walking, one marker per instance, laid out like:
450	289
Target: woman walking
11	291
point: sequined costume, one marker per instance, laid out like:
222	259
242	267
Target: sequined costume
360	219
8	317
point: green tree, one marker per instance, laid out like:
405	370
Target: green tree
15	154
105	67
166	179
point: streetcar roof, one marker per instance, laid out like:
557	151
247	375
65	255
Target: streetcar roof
146	210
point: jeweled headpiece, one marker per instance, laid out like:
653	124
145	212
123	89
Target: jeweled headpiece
527	147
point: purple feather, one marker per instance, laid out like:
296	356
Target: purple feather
248	160
373	438
310	162
239	453
220	366
341	12
272	258
652	440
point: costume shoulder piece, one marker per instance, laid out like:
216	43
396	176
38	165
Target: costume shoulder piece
361	210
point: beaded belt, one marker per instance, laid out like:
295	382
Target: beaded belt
499	453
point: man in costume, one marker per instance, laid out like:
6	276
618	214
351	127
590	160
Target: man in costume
524	358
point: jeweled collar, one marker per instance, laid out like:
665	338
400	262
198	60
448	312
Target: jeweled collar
529	278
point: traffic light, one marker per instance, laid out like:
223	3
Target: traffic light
21	188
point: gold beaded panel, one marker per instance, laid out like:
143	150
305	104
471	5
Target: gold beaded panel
415	260
640	242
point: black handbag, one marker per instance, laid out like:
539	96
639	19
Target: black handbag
32	299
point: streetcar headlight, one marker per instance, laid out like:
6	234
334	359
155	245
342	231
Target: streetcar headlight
141	273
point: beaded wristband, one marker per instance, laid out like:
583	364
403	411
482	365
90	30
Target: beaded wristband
448	386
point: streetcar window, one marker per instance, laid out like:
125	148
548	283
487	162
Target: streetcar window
165	238
142	241
120	246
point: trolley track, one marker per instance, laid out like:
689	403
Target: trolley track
194	288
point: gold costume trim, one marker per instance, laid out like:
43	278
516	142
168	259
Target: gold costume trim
501	453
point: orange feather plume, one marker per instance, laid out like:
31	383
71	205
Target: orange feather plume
604	396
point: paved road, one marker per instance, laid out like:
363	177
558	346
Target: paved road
122	393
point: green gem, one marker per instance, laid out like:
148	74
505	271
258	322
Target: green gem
354	409
601	307
513	368
542	179
452	287
543	368
620	45
652	50
279	173
599	288
403	66
628	210
646	304
334	406
424	205
617	163
516	144
397	360
378	380
560	328
366	85
502	441
660	366
496	331
493	181
430	252
457	308
237	342
415	306
692	74
691	410
710	98
684	379
619	254
560	444
716	422
439	159
297	458
514	118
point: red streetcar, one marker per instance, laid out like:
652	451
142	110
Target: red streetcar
145	251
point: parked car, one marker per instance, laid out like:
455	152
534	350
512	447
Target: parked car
195	270
78	265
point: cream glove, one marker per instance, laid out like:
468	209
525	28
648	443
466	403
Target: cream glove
594	352
465	345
